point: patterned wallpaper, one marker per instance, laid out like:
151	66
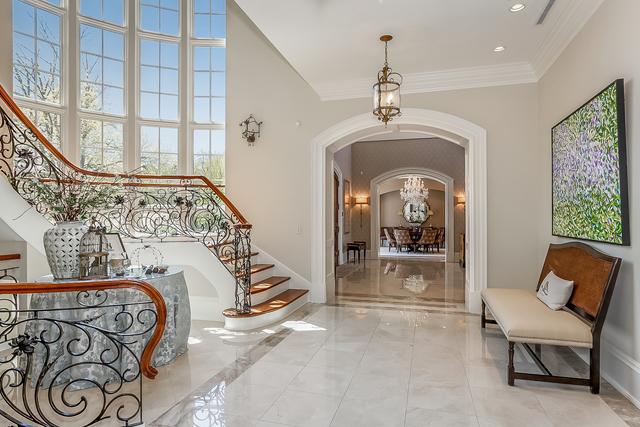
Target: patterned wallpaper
370	159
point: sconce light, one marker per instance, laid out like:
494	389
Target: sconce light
251	130
460	200
360	200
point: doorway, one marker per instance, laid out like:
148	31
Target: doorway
336	222
434	123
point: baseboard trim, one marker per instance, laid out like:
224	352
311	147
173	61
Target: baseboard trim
608	348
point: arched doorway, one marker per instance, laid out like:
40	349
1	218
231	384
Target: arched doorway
446	180
455	129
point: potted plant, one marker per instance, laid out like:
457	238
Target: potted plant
69	202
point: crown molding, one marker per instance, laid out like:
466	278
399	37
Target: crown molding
435	81
566	26
571	16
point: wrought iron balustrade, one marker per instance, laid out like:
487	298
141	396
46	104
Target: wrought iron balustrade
79	359
140	207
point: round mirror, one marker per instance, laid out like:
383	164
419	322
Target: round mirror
416	213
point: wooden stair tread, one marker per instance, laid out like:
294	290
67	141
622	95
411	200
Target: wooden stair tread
257	268
273	304
228	259
268	283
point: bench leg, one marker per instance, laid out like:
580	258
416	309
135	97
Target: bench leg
511	369
483	316
594	369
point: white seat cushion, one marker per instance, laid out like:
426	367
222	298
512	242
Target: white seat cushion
524	318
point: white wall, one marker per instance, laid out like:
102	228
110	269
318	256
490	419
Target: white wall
605	49
342	159
271	182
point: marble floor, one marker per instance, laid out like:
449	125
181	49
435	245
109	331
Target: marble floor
402	282
351	366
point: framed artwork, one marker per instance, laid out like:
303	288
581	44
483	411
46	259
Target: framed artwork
589	171
117	246
347	207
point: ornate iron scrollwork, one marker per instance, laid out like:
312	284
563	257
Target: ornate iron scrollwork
142	208
76	365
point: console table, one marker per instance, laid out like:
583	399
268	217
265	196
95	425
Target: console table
105	310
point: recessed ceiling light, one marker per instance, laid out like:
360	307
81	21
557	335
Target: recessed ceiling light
499	49
517	7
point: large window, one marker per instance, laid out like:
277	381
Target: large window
207	38
37	65
135	93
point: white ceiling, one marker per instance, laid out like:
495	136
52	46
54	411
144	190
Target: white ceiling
438	44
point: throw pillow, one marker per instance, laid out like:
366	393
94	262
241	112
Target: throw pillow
554	291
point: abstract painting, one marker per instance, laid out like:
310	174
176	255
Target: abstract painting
589	168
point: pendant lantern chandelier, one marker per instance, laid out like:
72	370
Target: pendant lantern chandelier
414	190
386	92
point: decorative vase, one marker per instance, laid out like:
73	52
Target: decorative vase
62	246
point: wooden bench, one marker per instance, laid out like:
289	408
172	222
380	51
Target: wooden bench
524	319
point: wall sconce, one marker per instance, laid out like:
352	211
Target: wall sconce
251	130
361	201
460	200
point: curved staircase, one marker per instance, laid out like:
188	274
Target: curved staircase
155	208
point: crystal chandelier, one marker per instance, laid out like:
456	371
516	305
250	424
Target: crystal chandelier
386	92
414	190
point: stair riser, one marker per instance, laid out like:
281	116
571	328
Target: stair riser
255	322
262	275
269	293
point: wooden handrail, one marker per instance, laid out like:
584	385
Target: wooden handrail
99	285
9	257
8	100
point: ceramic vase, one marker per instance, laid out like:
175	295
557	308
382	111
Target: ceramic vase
62	246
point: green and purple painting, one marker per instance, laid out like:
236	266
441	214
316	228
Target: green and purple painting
589	171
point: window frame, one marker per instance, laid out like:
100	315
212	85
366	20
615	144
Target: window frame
69	110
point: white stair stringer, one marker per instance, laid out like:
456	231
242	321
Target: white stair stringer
260	321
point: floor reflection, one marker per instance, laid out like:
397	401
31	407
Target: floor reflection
401	280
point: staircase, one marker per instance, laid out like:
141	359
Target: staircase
272	299
155	208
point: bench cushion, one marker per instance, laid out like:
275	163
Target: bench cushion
524	318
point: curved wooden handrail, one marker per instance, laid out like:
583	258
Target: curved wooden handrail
99	285
8	100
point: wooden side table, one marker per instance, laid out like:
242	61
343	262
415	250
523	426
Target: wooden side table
363	246
356	246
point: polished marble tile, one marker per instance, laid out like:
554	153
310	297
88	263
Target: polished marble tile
298	408
271	374
418	417
378	386
456	399
589	410
347	366
370	413
513	407
324	380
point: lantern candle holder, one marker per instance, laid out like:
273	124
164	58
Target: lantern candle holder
94	253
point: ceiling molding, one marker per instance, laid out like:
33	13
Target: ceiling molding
572	17
435	81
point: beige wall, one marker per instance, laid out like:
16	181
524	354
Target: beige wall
391	206
371	159
605	49
6	45
271	182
